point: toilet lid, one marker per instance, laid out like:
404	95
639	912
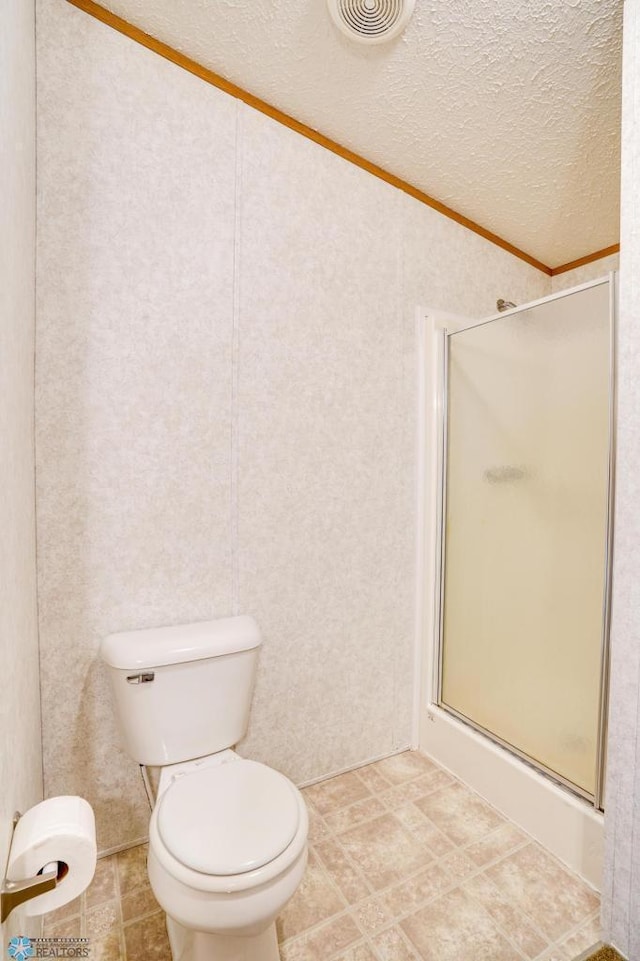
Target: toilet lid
228	819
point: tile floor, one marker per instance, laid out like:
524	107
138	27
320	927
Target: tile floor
405	864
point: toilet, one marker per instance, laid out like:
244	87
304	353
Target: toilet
228	836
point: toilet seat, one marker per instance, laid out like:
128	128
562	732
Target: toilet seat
204	881
228	819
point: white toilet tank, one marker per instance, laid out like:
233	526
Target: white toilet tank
183	692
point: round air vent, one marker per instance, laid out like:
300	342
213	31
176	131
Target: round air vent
371	21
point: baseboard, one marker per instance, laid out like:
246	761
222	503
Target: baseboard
123	847
354	767
324	777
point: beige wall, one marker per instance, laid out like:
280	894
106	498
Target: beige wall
226	405
621	890
20	755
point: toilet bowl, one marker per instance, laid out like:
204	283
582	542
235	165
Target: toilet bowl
228	835
227	850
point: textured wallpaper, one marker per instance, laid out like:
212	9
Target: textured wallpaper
133	370
621	889
324	454
20	753
226	397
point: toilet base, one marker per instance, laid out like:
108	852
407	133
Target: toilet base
188	945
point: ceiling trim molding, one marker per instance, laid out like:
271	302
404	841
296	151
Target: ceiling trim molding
203	73
597	255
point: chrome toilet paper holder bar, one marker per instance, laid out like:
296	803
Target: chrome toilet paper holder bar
13	893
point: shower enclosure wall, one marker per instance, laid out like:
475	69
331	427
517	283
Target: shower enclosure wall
520	470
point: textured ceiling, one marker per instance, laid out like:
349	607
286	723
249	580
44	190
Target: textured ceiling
506	110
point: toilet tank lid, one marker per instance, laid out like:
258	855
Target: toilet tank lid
160	646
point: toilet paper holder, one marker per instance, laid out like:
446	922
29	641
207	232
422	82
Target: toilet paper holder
13	893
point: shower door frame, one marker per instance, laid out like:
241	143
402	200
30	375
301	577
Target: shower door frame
434	694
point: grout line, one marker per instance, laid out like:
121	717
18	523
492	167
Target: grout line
576	930
459	882
380	795
352	864
455	882
587	953
368	943
332	836
340	953
142	917
319	926
121	937
410	946
452	885
375	897
506	935
505	817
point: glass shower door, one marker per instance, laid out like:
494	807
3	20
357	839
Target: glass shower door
526	530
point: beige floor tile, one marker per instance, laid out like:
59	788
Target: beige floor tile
412	790
372	915
525	937
385	851
138	904
56	919
533	881
423	829
318	827
103	920
315	900
406	864
373	779
348	817
70	910
349	879
497	844
458	865
103	887
415	892
360	952
322	942
148	939
456	928
589	934
391	945
131	866
460	814
69	928
107	949
337	792
401	768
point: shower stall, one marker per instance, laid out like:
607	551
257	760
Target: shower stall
520	525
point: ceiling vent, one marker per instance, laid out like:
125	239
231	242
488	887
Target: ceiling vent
371	21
